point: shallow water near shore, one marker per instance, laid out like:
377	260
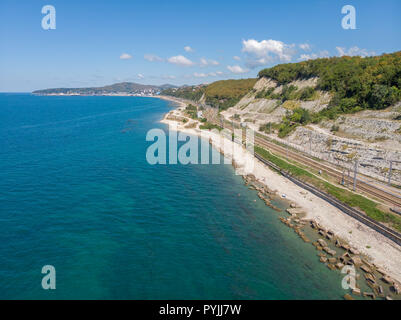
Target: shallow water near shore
77	193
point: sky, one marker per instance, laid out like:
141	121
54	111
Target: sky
97	43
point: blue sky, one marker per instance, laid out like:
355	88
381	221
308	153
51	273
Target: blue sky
226	39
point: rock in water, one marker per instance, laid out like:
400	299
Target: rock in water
387	279
322	243
395	288
365	269
348	297
356	261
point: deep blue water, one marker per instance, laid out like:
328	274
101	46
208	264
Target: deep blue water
76	192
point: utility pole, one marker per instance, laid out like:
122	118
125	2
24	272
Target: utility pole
389	173
355	172
287	150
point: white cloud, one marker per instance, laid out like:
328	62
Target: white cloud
200	75
237	58
266	51
180	61
307	57
169	77
254	62
219	73
237	69
305	46
152	57
205	63
140	76
354	51
204	75
321	54
125	56
188	49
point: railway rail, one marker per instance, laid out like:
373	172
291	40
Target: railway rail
388	198
367	188
371	190
356	214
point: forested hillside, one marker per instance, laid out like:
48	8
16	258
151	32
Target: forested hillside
353	84
356	83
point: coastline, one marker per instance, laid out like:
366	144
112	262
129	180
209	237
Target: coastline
381	251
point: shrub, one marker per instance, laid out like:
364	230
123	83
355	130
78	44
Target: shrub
307	93
334	128
209	126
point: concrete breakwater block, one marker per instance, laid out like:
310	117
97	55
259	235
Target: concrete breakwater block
329	251
387	279
356	261
354	251
348	297
366	269
295	211
322	243
333	260
339	265
323	259
331	266
370	278
369	295
396	289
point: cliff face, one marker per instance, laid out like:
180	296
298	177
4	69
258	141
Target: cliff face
256	108
372	137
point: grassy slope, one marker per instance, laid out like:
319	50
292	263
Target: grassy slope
226	93
220	94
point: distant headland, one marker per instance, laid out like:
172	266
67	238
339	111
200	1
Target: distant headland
123	88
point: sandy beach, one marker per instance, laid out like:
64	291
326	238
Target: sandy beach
381	251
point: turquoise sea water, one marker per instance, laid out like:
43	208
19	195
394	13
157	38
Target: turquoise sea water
77	193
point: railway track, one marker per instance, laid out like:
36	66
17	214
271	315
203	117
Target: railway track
373	191
388	198
356	214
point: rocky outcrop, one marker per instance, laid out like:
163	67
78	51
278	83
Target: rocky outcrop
260	110
373	160
367	129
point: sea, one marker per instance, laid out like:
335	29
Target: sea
78	194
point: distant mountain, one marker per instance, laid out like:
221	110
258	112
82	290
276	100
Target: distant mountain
123	87
167	86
